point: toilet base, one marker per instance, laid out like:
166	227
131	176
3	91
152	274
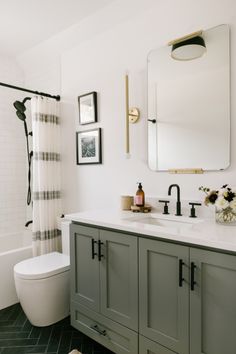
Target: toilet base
44	301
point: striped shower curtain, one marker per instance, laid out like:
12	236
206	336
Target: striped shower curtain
46	185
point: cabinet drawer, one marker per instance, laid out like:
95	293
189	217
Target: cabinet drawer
115	337
147	346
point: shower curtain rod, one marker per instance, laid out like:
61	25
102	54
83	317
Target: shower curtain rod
30	91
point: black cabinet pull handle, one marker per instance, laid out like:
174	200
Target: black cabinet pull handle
181	279
100	331
100	255
192	282
93	250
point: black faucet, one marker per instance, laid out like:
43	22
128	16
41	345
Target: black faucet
178	203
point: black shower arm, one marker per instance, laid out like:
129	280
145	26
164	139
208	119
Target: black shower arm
28	223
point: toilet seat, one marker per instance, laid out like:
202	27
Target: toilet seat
43	266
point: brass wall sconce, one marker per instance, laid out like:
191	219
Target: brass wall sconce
189	47
132	116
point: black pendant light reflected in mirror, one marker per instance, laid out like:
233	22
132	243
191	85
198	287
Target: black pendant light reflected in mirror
188	49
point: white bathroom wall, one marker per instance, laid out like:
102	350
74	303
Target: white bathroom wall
13	152
98	63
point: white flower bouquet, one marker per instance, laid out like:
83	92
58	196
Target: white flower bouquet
224	200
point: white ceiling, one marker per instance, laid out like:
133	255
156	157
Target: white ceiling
26	23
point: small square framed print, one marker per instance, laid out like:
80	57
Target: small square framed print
88	108
88	147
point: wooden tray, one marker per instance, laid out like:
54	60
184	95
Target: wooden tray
144	209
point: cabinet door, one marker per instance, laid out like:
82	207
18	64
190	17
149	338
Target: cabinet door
119	278
213	303
84	266
163	301
146	346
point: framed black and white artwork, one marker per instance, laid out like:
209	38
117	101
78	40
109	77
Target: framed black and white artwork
88	108
89	147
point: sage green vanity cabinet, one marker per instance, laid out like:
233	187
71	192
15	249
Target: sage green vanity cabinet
163	301
187	295
213	303
105	273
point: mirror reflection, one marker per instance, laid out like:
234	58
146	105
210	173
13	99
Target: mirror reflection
189	106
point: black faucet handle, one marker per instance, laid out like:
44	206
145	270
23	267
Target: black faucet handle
166	211
192	210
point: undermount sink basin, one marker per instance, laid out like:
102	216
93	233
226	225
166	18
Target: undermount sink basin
166	221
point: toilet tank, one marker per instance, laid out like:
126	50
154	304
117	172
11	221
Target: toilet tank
65	236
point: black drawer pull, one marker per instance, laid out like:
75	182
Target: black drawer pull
192	283
181	279
93	250
100	255
98	330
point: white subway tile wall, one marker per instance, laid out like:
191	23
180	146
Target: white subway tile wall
13	159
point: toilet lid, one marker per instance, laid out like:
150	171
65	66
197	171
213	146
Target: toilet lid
42	266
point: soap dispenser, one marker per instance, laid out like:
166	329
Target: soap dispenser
140	196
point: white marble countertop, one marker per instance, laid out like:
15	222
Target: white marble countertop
199	232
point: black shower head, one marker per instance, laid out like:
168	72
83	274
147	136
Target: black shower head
21	115
20	112
20	106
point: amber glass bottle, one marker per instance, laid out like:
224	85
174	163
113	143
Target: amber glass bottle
140	196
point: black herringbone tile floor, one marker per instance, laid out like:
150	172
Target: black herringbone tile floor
18	336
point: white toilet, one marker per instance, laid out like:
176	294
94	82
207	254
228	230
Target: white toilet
42	284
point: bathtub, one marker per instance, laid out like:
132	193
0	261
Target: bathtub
14	248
